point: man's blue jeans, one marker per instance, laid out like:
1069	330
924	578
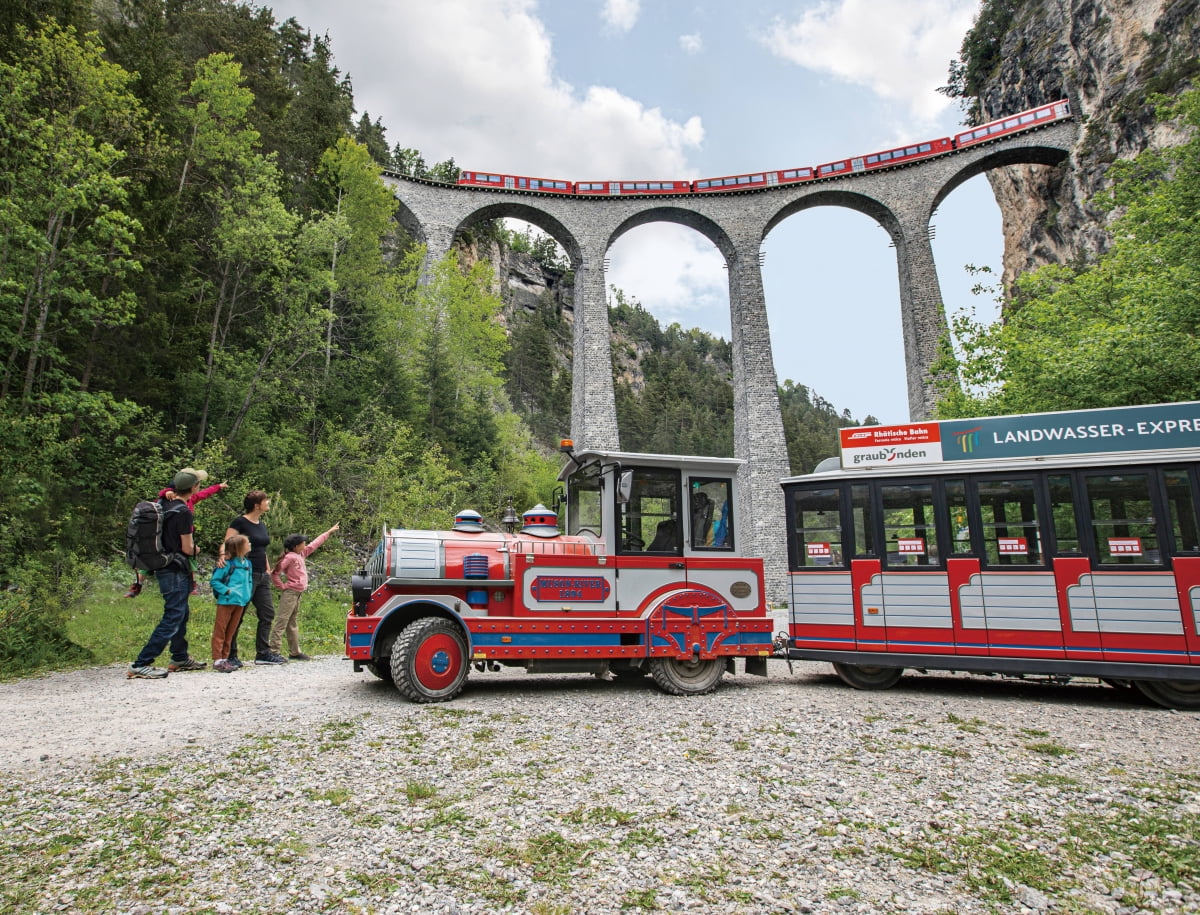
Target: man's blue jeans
175	585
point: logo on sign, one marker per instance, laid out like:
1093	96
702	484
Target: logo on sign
1125	546
588	589
911	546
1012	546
968	439
816	550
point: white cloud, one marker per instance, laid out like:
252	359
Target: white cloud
621	14
675	273
900	49
476	81
691	44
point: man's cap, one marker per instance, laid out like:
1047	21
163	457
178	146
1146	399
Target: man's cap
188	478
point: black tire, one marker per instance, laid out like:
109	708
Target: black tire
687	678
381	670
1176	694
430	661
868	677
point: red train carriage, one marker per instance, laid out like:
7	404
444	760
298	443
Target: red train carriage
1059	544
1026	120
516	183
891	157
647	580
624	188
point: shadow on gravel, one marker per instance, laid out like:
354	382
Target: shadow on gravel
961	687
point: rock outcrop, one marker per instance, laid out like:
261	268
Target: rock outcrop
1109	58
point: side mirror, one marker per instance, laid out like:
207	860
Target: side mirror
624	487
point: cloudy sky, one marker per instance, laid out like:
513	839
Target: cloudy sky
653	89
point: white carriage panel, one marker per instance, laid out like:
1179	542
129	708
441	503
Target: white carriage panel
1137	603
821	599
1081	604
872	598
1021	601
722	581
917	600
970	599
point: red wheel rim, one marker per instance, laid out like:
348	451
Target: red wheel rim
438	661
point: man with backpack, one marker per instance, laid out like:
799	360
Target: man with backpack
171	567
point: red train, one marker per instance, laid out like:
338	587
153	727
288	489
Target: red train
1018	123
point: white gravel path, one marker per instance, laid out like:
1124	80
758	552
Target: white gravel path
309	788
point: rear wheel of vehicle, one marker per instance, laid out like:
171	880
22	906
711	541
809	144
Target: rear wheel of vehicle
687	678
429	660
1180	694
861	677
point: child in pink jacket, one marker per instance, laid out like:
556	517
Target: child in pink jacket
290	575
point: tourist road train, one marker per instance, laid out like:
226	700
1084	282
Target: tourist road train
889	158
1056	546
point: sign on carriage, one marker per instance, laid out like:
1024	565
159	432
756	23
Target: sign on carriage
1155	427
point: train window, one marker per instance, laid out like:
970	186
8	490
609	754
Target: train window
757	178
1011	123
701	184
871	160
1027	118
910	151
711	508
818	520
584	503
925	147
521	182
1011	530
1062	514
862	515
960	528
909	528
650	519
628	186
1182	507
1123	528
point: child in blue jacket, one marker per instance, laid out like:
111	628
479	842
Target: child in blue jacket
232	585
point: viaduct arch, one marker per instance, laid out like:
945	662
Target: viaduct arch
901	200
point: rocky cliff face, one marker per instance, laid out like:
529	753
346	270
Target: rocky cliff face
1108	57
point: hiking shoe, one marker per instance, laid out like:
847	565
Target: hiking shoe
145	673
235	663
134	589
189	664
299	657
223	666
271	659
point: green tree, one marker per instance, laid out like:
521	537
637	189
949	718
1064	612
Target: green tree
1122	330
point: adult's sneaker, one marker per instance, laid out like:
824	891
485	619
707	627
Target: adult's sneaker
189	664
300	656
235	663
145	673
272	658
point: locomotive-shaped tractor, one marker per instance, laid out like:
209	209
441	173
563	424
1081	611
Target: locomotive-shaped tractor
647	580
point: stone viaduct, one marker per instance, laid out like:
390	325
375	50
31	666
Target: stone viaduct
902	200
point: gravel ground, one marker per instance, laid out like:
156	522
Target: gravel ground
309	788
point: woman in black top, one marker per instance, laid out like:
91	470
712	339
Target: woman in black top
256	504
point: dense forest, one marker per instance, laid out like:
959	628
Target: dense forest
199	265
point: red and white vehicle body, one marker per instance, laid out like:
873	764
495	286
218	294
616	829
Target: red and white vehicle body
647	580
1059	544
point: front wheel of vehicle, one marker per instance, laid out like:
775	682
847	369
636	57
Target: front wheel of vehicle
429	660
861	677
